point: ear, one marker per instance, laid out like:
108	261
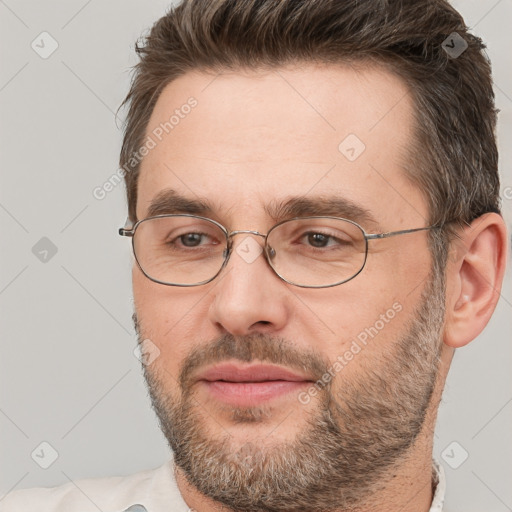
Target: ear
474	275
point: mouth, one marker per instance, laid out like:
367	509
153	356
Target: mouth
250	385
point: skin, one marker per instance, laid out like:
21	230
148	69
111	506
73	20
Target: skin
269	135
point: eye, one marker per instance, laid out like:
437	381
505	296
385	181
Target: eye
192	239
320	240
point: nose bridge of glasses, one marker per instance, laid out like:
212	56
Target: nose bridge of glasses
231	234
245	231
269	252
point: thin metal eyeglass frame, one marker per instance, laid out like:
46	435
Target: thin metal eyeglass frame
130	232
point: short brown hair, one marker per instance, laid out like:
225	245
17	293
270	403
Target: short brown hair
454	158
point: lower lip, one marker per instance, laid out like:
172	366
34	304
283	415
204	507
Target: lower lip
247	394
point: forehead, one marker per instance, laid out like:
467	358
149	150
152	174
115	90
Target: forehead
242	140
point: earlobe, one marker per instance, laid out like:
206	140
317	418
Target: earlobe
474	278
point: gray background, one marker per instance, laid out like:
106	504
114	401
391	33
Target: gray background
68	375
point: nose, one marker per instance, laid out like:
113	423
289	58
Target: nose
248	296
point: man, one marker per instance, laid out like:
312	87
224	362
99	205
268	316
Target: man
313	202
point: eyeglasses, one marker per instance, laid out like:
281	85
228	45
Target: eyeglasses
310	252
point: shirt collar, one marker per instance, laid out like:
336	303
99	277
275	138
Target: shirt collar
440	487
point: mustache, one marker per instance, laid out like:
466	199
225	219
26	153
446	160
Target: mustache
249	348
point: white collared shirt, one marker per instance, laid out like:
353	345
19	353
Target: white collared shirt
440	482
155	489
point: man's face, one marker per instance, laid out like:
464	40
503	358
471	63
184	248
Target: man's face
254	140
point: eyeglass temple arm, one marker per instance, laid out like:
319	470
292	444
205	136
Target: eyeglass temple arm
127	229
374	236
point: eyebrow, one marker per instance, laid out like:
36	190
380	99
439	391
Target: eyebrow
329	206
169	201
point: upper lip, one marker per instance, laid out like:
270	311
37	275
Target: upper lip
231	372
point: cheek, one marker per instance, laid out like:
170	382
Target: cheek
353	314
161	308
363	318
172	318
365	333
